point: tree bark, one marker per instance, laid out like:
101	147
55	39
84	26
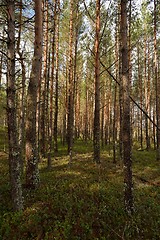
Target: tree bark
157	81
32	173
70	117
14	151
43	114
96	141
23	92
51	90
56	82
128	185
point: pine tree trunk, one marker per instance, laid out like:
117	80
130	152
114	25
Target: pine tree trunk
96	141
128	185
56	85
51	92
86	111
23	93
146	92
70	117
120	95
14	151
115	93
140	96
43	114
157	81
32	174
114	123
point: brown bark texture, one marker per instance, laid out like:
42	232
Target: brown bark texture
128	185
32	174
14	151
96	140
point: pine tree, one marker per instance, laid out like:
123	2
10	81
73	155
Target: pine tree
32	174
14	151
128	195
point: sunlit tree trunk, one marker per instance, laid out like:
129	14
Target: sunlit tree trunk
96	141
32	174
128	185
14	151
43	113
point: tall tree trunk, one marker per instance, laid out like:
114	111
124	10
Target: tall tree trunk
140	96
128	185
56	83
120	93
86	127
44	83
23	92
149	97
14	151
76	94
157	81
96	141
114	123
146	91
70	116
32	174
51	91
115	92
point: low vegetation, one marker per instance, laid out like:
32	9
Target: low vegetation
84	200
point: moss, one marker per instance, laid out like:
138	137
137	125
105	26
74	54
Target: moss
85	201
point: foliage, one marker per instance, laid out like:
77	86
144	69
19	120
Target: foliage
83	200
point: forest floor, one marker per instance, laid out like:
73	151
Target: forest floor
83	200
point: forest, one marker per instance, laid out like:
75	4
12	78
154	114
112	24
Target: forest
80	119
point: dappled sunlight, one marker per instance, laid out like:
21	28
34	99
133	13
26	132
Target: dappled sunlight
85	199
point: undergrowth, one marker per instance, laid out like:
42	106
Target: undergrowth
84	200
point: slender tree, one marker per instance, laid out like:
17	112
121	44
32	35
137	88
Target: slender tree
128	195
157	81
23	90
56	79
96	141
70	119
14	151
43	114
32	174
52	87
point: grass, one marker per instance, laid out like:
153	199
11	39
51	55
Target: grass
83	200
